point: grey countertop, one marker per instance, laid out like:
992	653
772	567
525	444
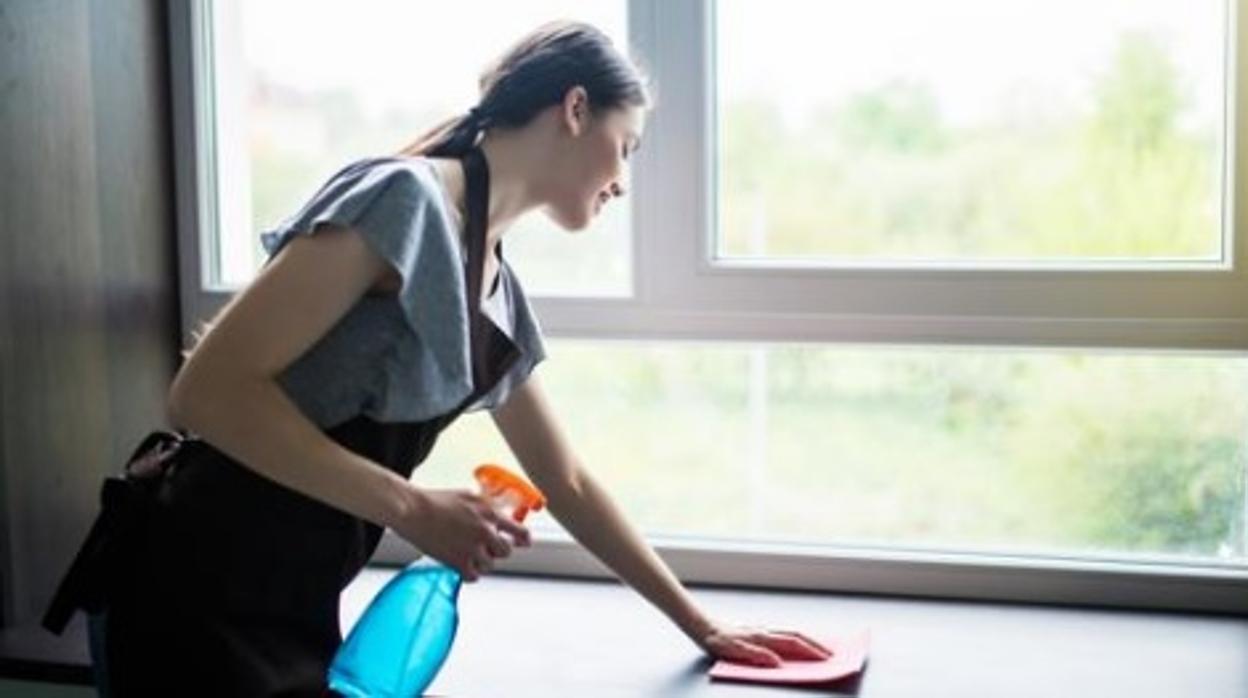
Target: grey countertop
533	636
525	636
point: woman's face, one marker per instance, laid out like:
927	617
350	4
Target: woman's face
598	167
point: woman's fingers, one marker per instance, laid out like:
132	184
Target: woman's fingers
737	647
764	647
769	648
484	562
476	566
518	531
797	645
755	654
497	546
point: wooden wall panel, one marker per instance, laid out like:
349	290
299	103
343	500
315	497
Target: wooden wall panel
88	292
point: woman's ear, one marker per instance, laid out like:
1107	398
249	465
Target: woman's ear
576	110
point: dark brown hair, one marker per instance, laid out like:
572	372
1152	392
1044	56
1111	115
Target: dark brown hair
536	72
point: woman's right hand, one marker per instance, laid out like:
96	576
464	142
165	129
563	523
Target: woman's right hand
461	529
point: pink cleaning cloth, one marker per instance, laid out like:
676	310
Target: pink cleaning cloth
849	654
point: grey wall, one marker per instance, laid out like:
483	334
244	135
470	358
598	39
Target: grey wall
88	293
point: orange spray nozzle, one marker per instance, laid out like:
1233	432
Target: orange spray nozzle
499	482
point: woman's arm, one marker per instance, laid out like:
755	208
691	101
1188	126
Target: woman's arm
585	509
227	390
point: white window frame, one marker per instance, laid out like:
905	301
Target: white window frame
681	292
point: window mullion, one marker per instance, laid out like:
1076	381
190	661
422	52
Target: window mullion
675	165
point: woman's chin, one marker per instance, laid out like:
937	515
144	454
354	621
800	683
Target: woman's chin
574	222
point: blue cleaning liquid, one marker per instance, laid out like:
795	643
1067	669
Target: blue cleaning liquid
402	639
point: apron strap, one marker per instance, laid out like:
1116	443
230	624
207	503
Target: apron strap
477	182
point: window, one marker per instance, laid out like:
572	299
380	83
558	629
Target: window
1105	455
291	107
971	131
928	298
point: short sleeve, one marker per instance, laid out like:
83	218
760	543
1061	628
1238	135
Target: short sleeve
392	205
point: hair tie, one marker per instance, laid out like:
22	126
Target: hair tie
478	117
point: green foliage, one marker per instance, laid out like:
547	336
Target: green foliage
882	175
1138	100
1047	451
901	117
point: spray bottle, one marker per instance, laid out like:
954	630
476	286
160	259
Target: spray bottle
404	636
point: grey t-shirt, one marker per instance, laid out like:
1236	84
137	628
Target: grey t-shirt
401	357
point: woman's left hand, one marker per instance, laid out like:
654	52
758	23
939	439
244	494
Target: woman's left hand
760	646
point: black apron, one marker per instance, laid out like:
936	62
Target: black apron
234	590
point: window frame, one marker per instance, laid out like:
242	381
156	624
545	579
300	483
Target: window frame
680	292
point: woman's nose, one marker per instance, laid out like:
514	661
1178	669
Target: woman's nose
617	190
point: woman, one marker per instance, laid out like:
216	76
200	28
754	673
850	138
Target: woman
322	385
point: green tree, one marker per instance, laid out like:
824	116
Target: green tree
1138	100
900	116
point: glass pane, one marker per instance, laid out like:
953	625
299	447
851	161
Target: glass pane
304	87
1053	132
1095	454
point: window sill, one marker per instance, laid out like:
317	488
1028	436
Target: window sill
561	637
995	576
